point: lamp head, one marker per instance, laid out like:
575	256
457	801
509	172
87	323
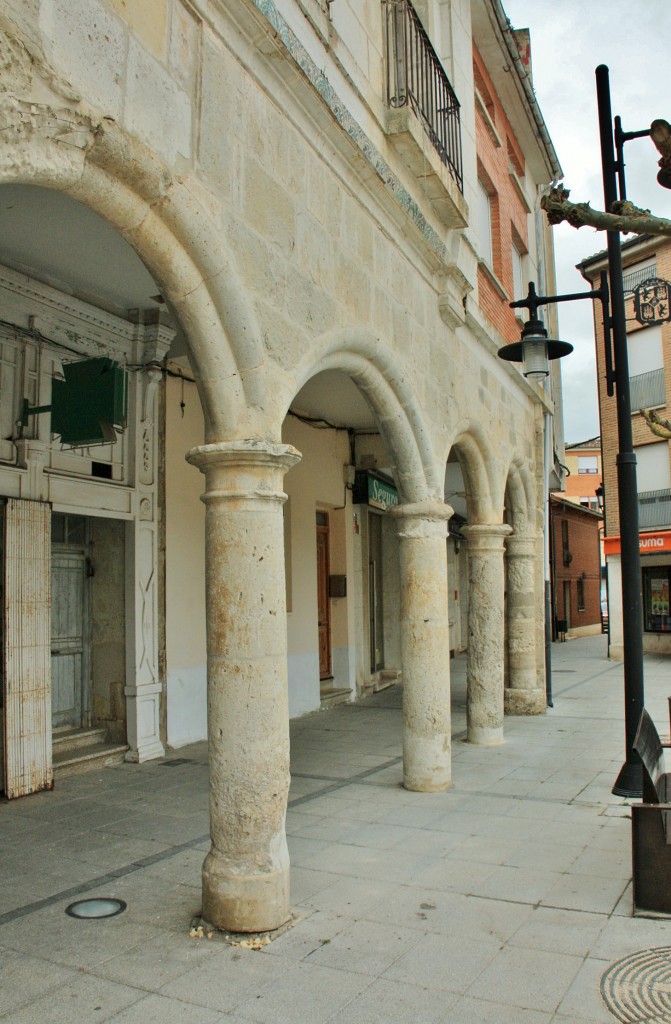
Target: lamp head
535	350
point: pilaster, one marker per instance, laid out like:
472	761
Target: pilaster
144	687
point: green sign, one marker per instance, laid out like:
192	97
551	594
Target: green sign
373	489
381	494
89	406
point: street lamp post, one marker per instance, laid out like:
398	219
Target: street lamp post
629	781
535	349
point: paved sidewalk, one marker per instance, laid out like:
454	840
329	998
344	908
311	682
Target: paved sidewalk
502	901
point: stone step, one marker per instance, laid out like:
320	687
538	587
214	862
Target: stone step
385	679
76	739
329	698
67	762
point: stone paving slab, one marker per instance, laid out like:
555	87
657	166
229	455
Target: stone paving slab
502	901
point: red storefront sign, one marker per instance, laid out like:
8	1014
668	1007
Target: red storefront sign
648	543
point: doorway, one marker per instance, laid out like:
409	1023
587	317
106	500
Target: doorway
375	592
323	599
70	623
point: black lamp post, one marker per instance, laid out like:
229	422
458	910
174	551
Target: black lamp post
612	138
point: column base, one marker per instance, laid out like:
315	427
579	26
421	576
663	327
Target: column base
145	752
484	736
427	764
524	702
238	902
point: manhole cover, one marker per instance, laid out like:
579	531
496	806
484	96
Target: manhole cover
637	989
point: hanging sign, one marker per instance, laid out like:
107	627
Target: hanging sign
371	489
652	301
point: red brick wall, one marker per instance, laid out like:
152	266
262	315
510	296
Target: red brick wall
583	543
509	216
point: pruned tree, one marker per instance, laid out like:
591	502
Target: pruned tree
626	218
623	215
659	426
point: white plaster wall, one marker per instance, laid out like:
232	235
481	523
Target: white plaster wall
317	483
186	664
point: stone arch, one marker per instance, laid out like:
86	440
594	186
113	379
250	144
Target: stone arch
122	180
520	497
372	366
484	490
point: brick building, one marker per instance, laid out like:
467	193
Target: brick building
576	567
583	473
649	352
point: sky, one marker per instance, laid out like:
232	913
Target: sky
568	41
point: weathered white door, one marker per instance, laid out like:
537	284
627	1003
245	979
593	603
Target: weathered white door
25	647
69	683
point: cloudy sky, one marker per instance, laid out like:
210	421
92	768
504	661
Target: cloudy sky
568	40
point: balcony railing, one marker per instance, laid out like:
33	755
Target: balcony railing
654	509
647	390
415	78
631	281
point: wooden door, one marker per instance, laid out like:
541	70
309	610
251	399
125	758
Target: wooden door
68	617
323	600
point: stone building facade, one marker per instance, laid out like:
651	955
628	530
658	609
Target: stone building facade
326	479
649	353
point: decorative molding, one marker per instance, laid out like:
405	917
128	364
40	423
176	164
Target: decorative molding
68	321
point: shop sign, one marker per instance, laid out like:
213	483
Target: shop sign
652	301
648	544
373	490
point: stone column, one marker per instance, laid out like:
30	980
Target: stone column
246	872
425	645
485	633
523	694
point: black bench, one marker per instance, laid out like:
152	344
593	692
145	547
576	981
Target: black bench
651	825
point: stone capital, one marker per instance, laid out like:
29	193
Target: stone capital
422	520
486	537
522	545
238	470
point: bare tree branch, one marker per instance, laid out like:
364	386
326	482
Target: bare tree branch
657	424
624	217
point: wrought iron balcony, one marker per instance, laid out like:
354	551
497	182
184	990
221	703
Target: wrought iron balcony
632	280
415	78
654	509
647	390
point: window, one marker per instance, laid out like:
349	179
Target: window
581	595
567	557
652	466
484	222
656	600
644	350
588	464
519	290
590	503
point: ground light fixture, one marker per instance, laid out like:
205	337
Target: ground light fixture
96	908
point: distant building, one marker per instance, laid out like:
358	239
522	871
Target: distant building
649	349
576	568
583	473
